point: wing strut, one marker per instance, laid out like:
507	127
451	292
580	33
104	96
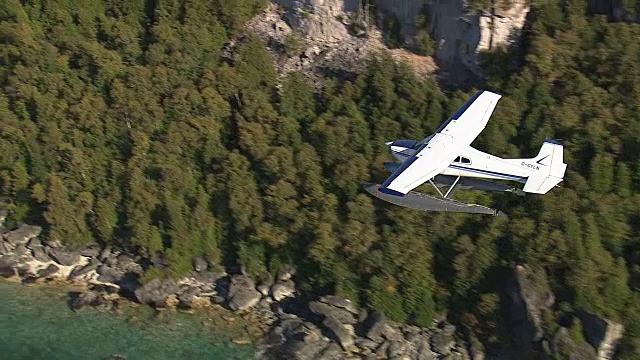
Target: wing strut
452	187
435	187
449	191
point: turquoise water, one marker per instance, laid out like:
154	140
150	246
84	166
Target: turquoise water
35	323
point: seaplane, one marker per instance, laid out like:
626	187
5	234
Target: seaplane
446	160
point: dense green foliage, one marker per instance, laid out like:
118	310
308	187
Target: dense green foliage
122	124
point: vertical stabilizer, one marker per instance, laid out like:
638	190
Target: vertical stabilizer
550	158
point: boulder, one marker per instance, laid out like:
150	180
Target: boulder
296	339
109	274
217	299
40	254
331	352
63	257
302	350
91	252
48	271
33	242
5	247
323	309
186	297
381	351
364	343
156	291
124	260
6	269
84	269
97	295
52	243
442	343
391	332
89	298
21	250
340	302
242	293
22	234
282	290
286	272
476	349
424	350
397	349
373	325
263	289
200	264
208	277
339	332
105	254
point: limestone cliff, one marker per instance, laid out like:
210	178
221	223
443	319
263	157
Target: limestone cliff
460	34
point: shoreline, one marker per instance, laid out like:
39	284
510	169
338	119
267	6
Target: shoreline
277	319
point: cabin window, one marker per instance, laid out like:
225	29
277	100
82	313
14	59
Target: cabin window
462	160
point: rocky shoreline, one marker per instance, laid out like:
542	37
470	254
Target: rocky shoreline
292	325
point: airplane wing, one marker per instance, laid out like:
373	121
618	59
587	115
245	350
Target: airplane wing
433	157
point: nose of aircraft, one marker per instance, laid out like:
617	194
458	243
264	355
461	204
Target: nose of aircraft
388	143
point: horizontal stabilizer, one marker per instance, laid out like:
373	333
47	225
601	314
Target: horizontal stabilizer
419	201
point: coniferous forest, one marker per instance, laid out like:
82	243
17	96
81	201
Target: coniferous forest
122	124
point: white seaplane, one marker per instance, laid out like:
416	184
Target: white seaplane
447	161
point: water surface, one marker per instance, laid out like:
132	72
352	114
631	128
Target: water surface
35	323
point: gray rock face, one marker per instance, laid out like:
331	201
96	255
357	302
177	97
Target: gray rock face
564	346
339	331
442	344
323	309
528	294
199	264
22	234
283	290
242	293
340	302
424	351
601	333
63	257
156	291
373	326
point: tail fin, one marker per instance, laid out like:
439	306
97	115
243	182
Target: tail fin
550	157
